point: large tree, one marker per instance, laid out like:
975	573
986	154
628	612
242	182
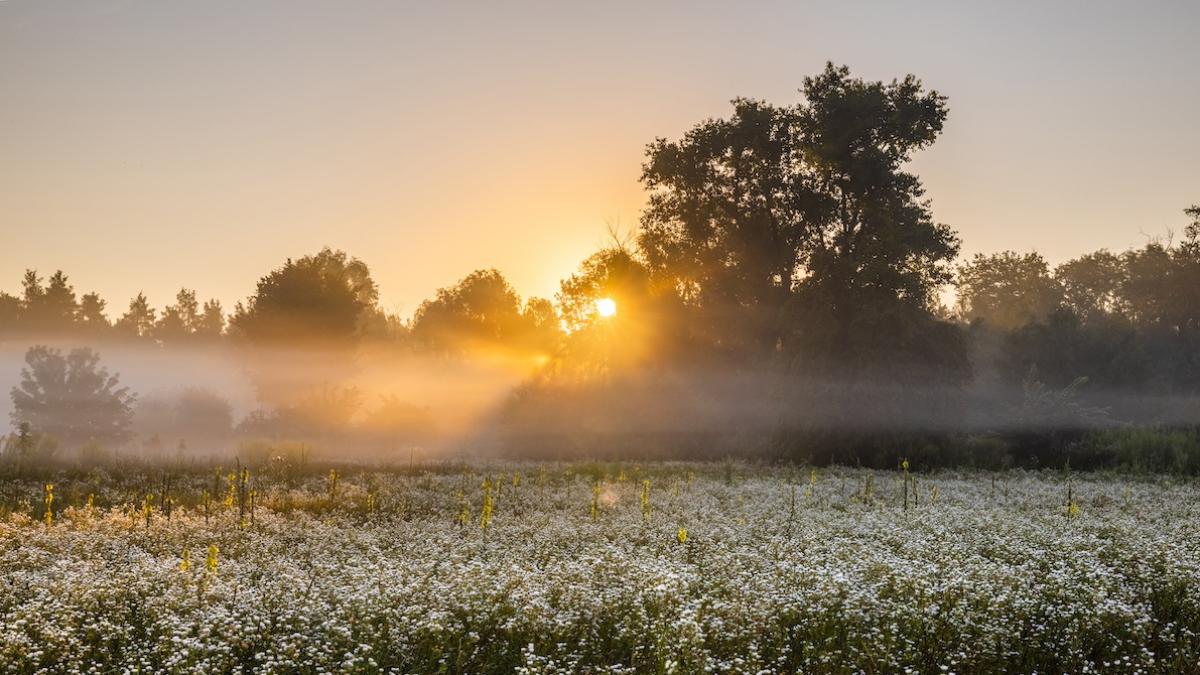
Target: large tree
320	304
315	300
799	221
72	398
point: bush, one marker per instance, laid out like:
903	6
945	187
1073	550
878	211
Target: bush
1145	449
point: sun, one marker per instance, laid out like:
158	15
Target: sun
606	307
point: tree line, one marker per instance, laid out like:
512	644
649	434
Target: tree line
782	239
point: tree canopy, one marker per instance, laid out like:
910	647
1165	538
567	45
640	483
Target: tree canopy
318	299
794	217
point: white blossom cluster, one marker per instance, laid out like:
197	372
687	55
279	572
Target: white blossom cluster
604	569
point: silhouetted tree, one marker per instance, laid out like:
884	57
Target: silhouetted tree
138	321
72	398
799	222
610	273
212	321
178	321
481	310
92	320
10	313
317	300
1007	290
1091	284
48	309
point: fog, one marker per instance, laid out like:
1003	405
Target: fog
389	405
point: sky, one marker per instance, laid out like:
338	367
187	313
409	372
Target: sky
148	145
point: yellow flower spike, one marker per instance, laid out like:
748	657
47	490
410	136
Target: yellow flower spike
485	516
682	535
210	561
185	565
49	500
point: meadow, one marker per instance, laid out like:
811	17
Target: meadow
598	568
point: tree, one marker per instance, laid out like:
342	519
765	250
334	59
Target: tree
1007	290
203	414
59	304
613	273
138	321
872	249
542	325
799	221
51	308
72	398
1091	284
316	300
320	304
10	313
91	314
482	309
193	415
32	293
181	320
212	321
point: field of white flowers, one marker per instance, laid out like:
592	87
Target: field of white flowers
561	568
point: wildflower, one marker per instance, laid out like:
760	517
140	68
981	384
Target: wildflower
682	535
646	500
49	500
210	562
147	507
185	565
485	516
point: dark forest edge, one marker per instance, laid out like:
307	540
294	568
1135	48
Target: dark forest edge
779	300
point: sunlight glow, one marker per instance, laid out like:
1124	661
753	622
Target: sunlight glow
606	307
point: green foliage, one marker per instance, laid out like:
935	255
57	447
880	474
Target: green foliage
482	311
1146	449
1008	290
803	207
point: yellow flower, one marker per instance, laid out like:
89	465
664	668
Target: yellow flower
210	562
49	504
682	535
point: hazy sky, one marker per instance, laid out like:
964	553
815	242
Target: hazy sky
149	144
